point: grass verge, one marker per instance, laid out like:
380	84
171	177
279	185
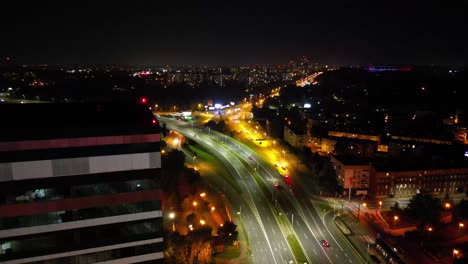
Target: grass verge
220	169
230	252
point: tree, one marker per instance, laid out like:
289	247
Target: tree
327	177
177	249
164	130
425	208
173	165
202	244
163	144
461	209
174	159
228	232
192	176
173	201
191	219
396	208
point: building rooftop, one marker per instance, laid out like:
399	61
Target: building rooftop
351	161
414	165
47	121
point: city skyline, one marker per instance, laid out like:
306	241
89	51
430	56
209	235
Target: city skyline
225	34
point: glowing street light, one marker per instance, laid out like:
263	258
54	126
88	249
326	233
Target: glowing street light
380	205
202	194
213	208
202	222
176	142
460	226
395	219
447	205
172	216
195	204
455	253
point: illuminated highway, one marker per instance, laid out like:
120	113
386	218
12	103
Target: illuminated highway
267	242
268	227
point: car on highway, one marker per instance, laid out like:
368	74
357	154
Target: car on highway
275	183
287	180
324	243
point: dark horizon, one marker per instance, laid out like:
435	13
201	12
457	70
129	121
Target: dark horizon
223	34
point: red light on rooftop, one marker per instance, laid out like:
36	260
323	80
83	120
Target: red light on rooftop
143	100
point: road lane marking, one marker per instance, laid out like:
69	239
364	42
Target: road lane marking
306	236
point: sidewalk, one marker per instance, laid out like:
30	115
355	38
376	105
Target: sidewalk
361	237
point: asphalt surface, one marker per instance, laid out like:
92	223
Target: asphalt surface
271	217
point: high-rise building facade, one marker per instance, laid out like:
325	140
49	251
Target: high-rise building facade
79	183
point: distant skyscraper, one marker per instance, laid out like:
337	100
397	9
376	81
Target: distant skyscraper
80	184
221	77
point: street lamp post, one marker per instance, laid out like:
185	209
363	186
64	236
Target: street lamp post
395	219
292	220
380	205
460	226
368	254
172	216
359	210
284	155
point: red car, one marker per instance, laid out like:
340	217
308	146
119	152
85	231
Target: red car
287	180
324	243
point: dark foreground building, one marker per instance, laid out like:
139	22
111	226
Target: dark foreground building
79	183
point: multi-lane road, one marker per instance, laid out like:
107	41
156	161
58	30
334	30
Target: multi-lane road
274	220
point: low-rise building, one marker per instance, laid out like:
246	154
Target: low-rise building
295	138
352	174
406	182
392	178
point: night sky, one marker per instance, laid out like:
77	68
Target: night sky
234	33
